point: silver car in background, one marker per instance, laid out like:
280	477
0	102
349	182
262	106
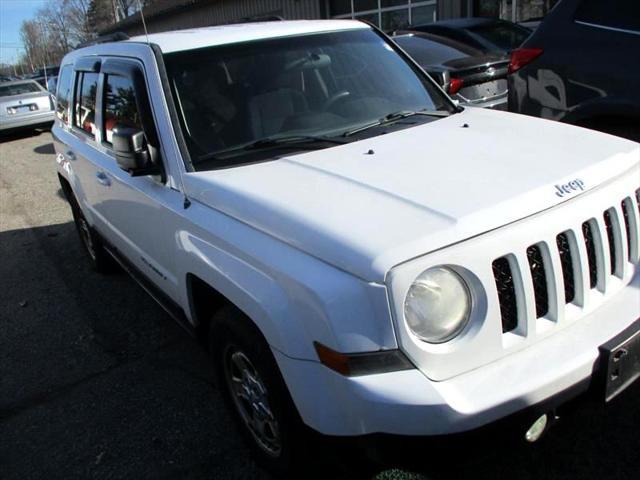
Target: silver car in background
25	104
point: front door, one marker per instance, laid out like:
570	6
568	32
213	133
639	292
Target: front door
141	212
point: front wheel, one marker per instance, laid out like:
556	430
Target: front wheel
252	387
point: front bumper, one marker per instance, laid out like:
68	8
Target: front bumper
40	118
408	403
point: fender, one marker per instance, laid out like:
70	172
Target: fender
292	297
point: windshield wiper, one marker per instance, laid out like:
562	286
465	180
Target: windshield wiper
394	117
294	141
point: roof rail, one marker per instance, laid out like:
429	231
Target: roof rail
258	18
111	37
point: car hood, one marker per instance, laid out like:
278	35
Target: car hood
367	206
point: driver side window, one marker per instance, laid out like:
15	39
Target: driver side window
120	106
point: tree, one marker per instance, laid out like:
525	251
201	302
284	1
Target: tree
53	15
101	14
33	43
77	12
61	25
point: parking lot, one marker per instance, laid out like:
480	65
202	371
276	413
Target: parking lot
96	381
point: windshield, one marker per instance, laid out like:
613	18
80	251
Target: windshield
505	35
320	85
19	89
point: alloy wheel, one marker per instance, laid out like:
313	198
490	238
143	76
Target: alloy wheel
251	399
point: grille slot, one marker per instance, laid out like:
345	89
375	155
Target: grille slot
539	278
608	223
627	224
506	293
587	231
566	260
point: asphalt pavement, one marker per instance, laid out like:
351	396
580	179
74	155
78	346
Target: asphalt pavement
97	381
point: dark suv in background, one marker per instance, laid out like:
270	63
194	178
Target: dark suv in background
582	66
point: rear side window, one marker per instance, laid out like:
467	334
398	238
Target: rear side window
120	107
85	98
63	95
624	14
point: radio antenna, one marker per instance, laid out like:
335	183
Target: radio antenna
187	202
144	24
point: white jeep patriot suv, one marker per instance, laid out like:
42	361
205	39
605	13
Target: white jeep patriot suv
360	254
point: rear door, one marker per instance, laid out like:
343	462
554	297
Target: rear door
80	143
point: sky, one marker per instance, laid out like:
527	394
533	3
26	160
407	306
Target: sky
12	14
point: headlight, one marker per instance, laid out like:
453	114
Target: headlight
437	305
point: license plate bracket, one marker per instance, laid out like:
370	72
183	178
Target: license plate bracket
620	361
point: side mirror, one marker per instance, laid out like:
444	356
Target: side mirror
132	152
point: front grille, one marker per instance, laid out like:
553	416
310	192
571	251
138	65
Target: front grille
506	294
575	265
539	279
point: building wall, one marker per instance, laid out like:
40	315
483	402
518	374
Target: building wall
389	14
451	9
216	12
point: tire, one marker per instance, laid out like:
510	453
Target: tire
248	377
101	261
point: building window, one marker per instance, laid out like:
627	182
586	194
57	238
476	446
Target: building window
395	19
387	14
340	7
514	10
423	14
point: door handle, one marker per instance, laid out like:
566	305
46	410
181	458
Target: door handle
71	155
103	179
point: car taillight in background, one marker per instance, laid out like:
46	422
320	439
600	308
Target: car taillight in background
521	57
455	85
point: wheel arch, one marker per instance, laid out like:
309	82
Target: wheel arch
66	189
204	302
292	298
